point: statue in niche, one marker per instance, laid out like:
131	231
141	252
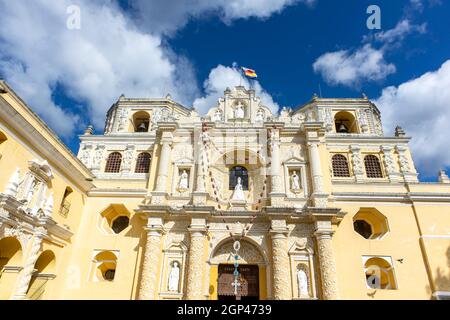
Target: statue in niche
302	281
31	191
184	181
174	277
295	181
260	115
238	194
217	116
239	112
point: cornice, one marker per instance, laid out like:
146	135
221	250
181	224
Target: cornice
64	162
130	193
363	139
391	197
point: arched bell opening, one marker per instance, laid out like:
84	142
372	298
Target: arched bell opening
141	122
345	122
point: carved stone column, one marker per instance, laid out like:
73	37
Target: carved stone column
200	195
319	196
148	287
164	158
327	263
196	261
275	159
28	269
276	195
158	196
280	258
389	163
357	164
406	167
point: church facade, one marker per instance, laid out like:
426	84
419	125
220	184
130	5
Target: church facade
239	204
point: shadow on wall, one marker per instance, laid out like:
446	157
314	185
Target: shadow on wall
442	279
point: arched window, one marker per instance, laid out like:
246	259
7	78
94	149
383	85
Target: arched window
114	163
380	274
340	166
44	272
238	172
105	266
66	203
141	121
143	163
373	167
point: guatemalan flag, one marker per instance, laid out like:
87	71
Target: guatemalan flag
249	73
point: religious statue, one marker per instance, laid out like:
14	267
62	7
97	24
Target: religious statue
217	116
184	181
260	115
31	191
302	280
295	181
239	112
238	194
174	278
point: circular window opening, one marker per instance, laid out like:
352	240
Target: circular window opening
120	224
363	228
110	274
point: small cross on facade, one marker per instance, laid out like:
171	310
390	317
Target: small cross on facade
236	285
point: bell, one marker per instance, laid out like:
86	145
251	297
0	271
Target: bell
142	127
342	128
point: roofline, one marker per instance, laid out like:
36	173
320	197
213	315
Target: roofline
84	170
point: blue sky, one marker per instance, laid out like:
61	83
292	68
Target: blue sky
150	48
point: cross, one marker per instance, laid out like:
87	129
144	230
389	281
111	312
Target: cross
236	285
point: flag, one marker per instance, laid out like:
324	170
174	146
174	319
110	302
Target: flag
249	73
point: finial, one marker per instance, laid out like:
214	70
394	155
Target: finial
443	177
364	96
122	97
89	130
315	96
399	132
168	96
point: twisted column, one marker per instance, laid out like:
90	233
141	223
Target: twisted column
327	263
28	269
148	286
196	264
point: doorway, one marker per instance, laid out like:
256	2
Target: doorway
248	288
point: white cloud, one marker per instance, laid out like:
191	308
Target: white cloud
351	68
108	56
401	30
170	15
366	63
95	64
221	78
421	106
